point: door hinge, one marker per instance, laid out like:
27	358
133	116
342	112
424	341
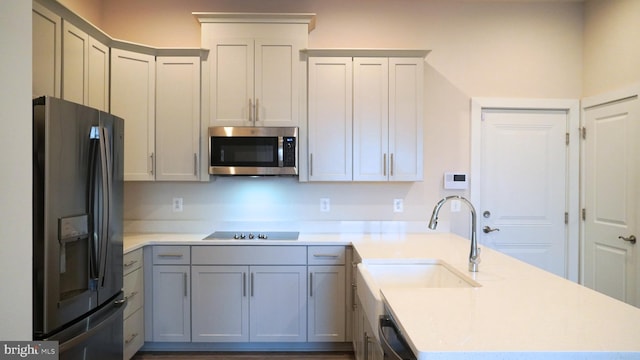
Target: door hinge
583	133
567	138
584	214
566	218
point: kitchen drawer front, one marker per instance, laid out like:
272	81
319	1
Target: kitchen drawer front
250	255
326	255
133	333
132	261
171	255
134	291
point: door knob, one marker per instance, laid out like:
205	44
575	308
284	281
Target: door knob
487	229
631	239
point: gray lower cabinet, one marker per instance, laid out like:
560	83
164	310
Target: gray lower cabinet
327	300
133	330
171	314
249	294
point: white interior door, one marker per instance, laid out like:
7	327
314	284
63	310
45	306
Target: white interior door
525	185
611	197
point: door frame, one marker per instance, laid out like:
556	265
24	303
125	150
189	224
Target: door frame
572	107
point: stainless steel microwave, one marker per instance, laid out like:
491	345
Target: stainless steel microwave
242	150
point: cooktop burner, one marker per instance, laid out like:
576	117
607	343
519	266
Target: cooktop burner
253	235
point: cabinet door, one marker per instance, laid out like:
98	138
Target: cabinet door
326	304
371	157
47	51
276	79
171	303
330	119
406	82
220	304
232	101
177	118
75	64
133	99
278	304
98	75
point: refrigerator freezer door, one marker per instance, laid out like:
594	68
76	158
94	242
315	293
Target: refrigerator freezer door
99	336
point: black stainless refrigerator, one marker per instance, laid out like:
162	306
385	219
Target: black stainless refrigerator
77	229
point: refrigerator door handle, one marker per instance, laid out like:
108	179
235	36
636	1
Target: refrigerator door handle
117	309
94	236
105	162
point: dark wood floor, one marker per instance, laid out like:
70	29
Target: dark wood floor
243	356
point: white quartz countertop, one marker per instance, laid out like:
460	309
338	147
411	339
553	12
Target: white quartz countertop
519	312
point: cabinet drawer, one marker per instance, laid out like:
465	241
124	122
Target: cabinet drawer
250	255
132	261
326	255
171	255
133	291
133	333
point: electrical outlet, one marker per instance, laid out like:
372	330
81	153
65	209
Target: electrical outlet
455	205
177	205
398	205
325	205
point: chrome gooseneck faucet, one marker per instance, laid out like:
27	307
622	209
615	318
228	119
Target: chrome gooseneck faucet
474	255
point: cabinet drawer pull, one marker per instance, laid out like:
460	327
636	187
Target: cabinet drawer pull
330	256
170	255
130	263
311	164
132	295
251	285
130	339
152	164
310	284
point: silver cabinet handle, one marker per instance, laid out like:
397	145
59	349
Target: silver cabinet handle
251	285
250	111
257	109
384	164
195	164
311	164
332	256
488	229
130	339
131	296
391	166
244	284
310	284
185	285
152	163
631	239
130	263
169	255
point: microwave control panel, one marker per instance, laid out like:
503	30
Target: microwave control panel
288	151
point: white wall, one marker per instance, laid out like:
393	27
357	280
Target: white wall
490	49
15	162
612	49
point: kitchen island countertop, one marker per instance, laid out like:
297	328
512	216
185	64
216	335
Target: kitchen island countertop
519	312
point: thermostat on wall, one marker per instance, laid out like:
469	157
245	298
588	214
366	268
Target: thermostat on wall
456	181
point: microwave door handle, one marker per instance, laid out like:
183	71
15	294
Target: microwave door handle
280	151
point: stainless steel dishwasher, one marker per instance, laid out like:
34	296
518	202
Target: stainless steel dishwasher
393	344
